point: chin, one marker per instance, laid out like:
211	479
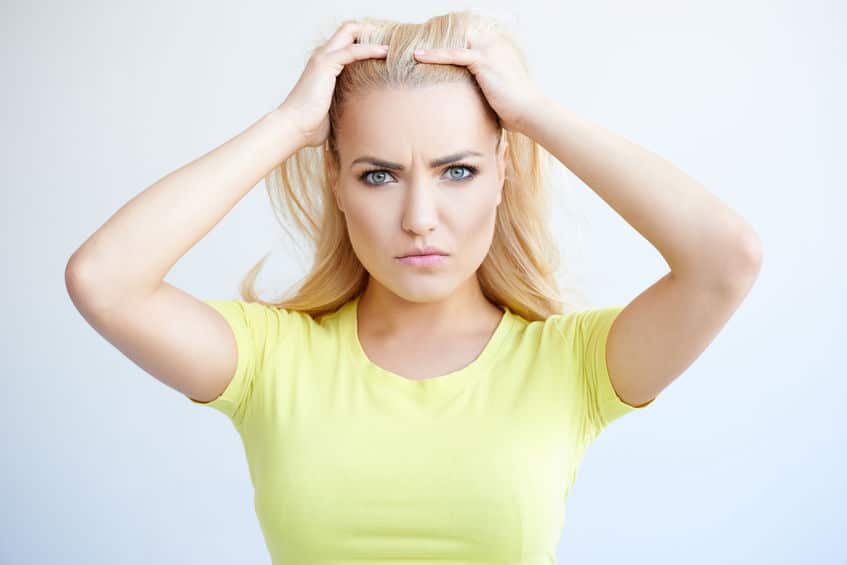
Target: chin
422	289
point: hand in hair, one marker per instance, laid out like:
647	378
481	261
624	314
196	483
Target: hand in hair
309	101
499	70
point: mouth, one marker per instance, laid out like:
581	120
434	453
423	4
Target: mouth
423	260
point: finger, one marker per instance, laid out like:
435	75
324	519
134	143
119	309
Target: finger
357	51
448	55
346	35
478	37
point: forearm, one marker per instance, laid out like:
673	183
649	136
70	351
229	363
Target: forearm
697	234
133	251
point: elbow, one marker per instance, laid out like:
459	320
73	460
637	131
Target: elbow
751	253
79	281
745	257
74	278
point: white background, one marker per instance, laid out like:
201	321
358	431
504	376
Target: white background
742	459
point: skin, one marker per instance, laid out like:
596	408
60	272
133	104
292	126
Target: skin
714	255
438	313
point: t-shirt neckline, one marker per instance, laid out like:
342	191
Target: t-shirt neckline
442	383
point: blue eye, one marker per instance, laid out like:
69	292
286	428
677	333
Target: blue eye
472	171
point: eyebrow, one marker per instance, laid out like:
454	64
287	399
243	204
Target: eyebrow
434	163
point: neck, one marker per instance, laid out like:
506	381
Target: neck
382	312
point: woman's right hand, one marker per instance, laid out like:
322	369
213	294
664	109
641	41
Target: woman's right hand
307	105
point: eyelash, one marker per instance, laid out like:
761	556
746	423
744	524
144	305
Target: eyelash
473	172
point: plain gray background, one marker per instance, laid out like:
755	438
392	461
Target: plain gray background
741	460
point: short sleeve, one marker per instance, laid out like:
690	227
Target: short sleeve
602	404
253	325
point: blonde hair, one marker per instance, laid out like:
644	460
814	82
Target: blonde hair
519	269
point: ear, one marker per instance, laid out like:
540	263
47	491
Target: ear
337	197
503	157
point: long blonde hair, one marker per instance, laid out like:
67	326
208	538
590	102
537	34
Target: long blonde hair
519	269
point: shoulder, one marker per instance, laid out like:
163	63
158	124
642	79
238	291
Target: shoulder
566	334
262	320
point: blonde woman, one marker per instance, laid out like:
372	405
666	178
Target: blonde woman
425	393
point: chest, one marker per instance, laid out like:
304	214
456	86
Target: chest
423	359
472	490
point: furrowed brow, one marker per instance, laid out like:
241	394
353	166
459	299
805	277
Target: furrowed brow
398	167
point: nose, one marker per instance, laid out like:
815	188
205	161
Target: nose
420	208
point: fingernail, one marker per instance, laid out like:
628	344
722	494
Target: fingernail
420	51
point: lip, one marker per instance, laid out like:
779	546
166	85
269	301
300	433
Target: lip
426	250
430	260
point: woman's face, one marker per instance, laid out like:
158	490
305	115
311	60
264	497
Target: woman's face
419	167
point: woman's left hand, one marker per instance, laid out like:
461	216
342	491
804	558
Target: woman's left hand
499	72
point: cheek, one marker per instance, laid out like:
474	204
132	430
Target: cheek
477	212
367	228
466	218
475	222
473	227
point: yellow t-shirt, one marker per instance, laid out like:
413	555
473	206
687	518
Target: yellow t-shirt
351	463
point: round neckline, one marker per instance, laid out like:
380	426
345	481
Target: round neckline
442	383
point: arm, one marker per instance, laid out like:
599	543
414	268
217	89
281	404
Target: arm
714	256
703	240
206	349
115	279
129	256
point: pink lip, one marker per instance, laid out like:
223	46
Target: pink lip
423	260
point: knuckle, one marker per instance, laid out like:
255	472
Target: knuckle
316	51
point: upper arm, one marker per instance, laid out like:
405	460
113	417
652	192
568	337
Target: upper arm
209	350
598	398
658	335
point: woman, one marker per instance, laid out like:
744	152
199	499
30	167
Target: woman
431	407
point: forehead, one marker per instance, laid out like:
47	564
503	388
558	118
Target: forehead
429	121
